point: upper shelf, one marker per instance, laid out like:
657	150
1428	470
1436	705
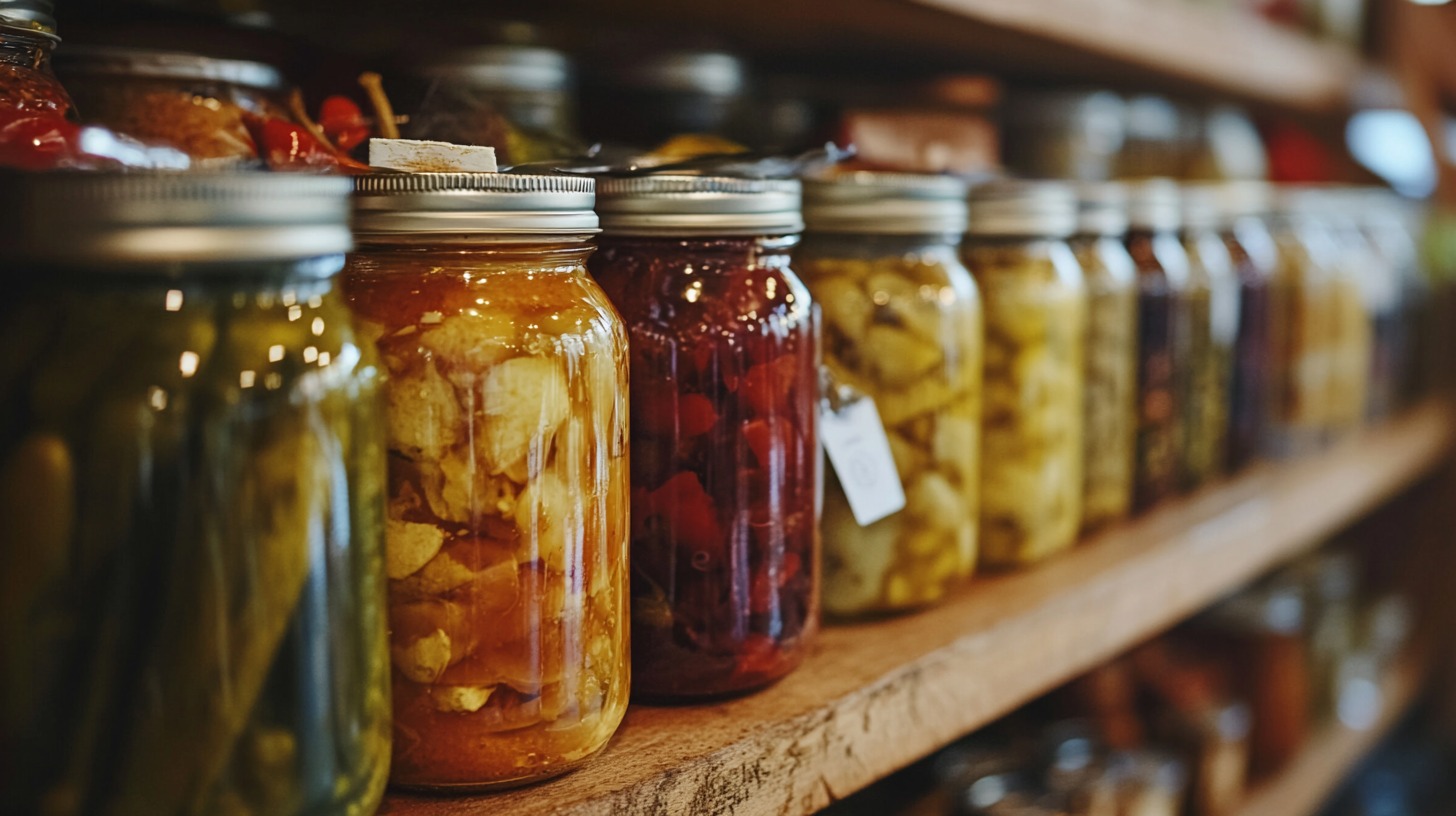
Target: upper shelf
876	696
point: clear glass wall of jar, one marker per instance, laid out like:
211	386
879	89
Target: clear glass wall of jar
1368	320
191	472
1302	357
1385	219
726	474
506	537
1213	326
1163	275
1244	207
1110	416
903	327
1035	304
27	40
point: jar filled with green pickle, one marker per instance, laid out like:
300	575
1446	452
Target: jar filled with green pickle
1303	350
903	327
1154	217
191	473
1035	305
1110	413
1213	324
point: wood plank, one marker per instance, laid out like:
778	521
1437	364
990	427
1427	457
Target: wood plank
1326	762
874	697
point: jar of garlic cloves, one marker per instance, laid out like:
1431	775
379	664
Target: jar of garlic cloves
1213	325
903	326
1163	274
191	470
1110	416
1035	304
506	541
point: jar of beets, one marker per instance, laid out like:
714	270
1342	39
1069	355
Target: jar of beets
506	536
726	473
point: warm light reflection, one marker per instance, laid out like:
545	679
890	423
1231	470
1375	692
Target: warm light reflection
157	398
310	354
324	359
694	292
318	327
275	353
295	312
188	363
290	297
174	300
247	378
273	381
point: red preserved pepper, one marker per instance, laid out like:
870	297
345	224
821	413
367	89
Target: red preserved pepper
344	123
724	385
287	146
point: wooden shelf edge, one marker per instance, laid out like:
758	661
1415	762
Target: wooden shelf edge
873	697
1333	752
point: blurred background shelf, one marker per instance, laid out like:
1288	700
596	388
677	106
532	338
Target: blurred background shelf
876	696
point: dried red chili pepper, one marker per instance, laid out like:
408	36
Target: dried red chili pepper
344	123
284	145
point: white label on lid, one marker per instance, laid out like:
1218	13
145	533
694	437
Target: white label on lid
412	156
854	437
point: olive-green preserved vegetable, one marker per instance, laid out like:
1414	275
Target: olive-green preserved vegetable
191	468
1110	415
1212	315
1035	305
903	326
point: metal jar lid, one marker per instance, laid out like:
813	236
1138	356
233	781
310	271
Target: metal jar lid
1044	209
1153	205
1201	210
31	15
179	65
1102	209
699	205
503	68
885	204
108	220
473	204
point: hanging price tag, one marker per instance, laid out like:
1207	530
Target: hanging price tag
857	446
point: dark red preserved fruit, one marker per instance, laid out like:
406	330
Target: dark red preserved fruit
725	462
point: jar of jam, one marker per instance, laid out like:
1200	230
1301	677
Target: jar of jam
191	473
1110	413
1212	312
902	325
506	537
726	474
1244	206
1163	278
193	103
1036	317
1303	351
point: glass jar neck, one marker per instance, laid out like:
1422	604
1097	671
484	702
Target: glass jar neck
26	49
455	250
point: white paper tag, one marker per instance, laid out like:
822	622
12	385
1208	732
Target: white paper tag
854	437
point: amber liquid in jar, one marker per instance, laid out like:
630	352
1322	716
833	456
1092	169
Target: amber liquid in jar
1162	278
726	475
506	539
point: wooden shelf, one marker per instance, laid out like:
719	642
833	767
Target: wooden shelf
874	697
1325	764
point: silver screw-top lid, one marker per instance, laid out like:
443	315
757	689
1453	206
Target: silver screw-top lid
503	68
1245	199
32	15
111	220
1201	210
473	203
885	204
1153	205
670	205
1102	209
1045	209
178	65
704	72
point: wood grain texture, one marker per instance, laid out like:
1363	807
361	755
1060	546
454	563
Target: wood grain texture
1326	762
876	696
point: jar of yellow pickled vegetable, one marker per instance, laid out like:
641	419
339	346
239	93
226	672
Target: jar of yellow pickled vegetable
1304	348
1366	292
191	477
1212	314
1162	266
506	536
902	326
1110	413
1035	304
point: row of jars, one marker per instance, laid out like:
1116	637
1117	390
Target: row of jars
248	499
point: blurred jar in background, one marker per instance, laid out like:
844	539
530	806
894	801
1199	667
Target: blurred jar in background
1227	146
1075	135
1244	205
1212	306
1360	289
1163	279
1157	139
1110	416
643	100
1385	218
1303	344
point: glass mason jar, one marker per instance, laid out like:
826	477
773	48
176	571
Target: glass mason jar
193	103
517	98
1035	305
1110	413
1255	257
506	538
643	100
1163	278
727	483
1366	305
1384	217
27	40
902	325
1213	327
191	472
1303	353
1073	135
